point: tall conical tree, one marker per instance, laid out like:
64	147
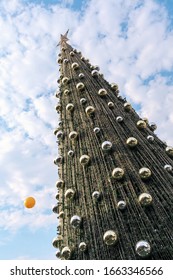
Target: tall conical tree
115	186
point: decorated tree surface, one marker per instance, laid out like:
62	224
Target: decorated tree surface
115	182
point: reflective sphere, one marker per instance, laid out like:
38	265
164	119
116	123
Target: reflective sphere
60	183
59	60
75	221
58	254
56	241
69	194
65	80
80	86
168	167
127	107
55	209
81	75
60	135
132	142
118	173
73	135
84	159
58	160
70	107
114	86
61	215
121	204
95	73
75	66
111	105
110	237
83	101
96	130
60	123
169	151
58	107
106	146
145	120
141	124
144	173
145	199
82	246
65	60
66	253
70	153
143	248
119	119
55	131
89	110
150	138
153	126
102	92
29	202
66	92
72	53
96	195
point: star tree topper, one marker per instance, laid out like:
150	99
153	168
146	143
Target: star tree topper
63	39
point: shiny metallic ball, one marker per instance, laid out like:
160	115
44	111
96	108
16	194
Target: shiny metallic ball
56	241
70	107
95	73
96	195
114	86
60	135
102	92
58	108
69	194
65	60
150	138
118	173
65	80
66	92
127	107
75	66
70	153
55	209
60	123
60	183
119	119
84	159
110	237
111	105
72	53
73	135
145	199
145	173
168	167
132	142
80	86
153	126
141	124
143	248
89	110
81	76
83	101
121	205
61	215
96	130
169	151
106	146
58	160
66	253
75	221
82	246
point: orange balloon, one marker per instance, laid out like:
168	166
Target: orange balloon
29	202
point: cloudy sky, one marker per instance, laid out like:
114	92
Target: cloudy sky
131	41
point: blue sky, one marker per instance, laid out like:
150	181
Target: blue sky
131	41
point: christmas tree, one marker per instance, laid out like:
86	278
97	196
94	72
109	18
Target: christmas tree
115	184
